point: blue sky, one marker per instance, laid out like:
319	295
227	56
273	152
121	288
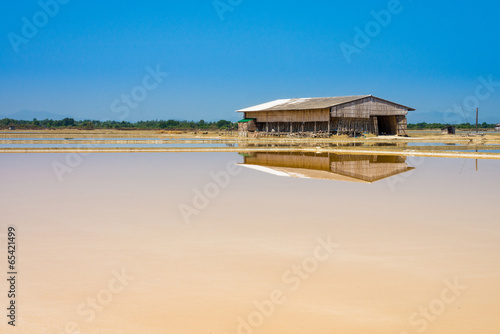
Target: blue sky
86	55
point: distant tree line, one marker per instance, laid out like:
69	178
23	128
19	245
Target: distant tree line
70	123
463	126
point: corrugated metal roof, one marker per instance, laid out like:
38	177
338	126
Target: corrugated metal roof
309	103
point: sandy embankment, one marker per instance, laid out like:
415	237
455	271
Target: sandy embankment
457	146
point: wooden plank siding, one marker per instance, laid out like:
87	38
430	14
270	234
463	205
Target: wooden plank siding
367	107
402	125
347	124
290	116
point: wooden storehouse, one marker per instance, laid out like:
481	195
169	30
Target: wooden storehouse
327	166
497	127
331	115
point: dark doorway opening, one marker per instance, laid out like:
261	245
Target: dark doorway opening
387	125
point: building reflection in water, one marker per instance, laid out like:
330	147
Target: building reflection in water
327	166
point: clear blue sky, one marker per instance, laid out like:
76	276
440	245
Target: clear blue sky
430	56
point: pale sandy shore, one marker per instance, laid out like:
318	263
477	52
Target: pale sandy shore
414	136
434	144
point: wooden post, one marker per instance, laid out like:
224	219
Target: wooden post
477	120
329	121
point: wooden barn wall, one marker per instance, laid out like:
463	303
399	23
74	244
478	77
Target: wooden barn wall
279	127
348	124
402	125
319	115
368	107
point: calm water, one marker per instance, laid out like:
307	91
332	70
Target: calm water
171	143
111	145
99	139
252	243
447	144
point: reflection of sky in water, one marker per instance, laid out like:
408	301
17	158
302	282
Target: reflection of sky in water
112	145
118	138
445	144
489	151
407	233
